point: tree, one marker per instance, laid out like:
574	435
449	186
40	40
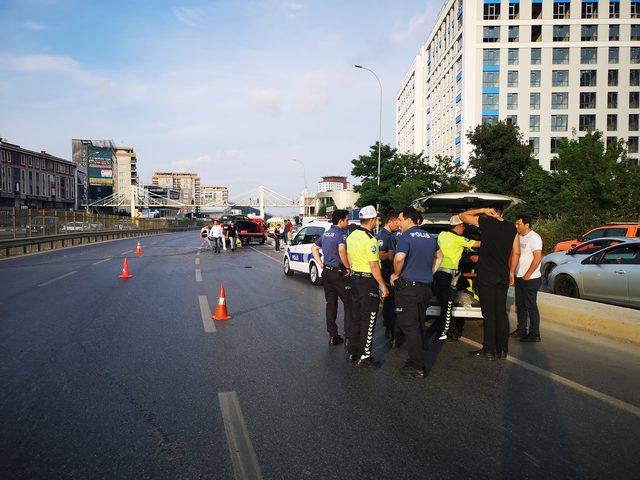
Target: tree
448	176
499	158
539	189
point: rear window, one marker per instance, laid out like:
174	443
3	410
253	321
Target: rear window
616	232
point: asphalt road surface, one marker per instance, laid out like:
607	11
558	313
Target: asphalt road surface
110	378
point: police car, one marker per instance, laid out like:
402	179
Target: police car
298	256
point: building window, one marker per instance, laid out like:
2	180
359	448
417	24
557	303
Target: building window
561	33
559	100
614	33
612	123
634	99
490	79
514	11
559	123
536	10
587	122
491	11
588	78
632	145
614	9
612	99
491	34
534	78
534	123
588	55
489	101
561	10
611	142
634	78
491	56
587	99
555	141
536	56
589	9
589	33
534	143
560	56
614	54
633	122
512	101
612	78
513	56
512	78
514	33
512	119
534	101
560	78
635	32
536	33
489	120
635	55
635	9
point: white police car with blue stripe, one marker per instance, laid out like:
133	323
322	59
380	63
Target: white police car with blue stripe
298	256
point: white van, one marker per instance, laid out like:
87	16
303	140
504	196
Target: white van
298	256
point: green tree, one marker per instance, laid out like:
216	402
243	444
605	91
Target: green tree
539	189
448	176
499	158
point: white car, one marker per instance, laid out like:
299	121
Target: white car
298	256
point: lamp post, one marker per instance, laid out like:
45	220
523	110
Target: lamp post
379	123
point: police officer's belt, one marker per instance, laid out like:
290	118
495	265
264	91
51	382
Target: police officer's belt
452	271
403	282
362	274
332	268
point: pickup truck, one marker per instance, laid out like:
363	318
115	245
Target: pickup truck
248	228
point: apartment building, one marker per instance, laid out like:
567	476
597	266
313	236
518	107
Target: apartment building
214	195
125	170
333	184
550	66
187	183
410	109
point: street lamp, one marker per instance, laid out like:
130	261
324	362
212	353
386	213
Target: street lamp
379	123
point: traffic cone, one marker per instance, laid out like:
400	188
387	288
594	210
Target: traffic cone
125	270
139	249
221	309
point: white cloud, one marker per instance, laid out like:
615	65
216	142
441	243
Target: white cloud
31	25
419	25
266	100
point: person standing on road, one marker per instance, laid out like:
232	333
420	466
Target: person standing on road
276	237
216	236
416	258
335	272
204	235
366	278
452	244
288	227
386	244
525	274
498	237
232	234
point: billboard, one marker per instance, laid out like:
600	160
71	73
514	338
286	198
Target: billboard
100	163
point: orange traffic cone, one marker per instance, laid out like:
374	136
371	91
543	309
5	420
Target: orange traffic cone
139	249
221	309
125	270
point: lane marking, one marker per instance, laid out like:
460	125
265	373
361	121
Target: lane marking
198	275
198	261
101	261
627	407
243	456
49	282
205	312
262	253
124	253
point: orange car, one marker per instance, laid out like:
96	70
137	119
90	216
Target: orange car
610	230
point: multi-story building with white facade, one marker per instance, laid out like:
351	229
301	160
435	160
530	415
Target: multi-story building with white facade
410	109
125	170
214	195
333	184
551	66
188	184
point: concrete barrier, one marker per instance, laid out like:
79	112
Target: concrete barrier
618	323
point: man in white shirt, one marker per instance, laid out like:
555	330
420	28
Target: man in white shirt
204	235
526	277
216	236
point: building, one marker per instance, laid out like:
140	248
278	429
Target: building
330	184
187	183
99	158
410	109
35	179
550	66
125	171
214	195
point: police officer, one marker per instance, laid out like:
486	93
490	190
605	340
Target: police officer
335	270
386	245
416	258
366	278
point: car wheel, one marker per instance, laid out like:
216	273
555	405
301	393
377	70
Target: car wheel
547	269
315	275
287	267
566	286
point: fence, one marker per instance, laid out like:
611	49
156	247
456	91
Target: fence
22	223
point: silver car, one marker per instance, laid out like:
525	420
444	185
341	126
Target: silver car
577	253
612	276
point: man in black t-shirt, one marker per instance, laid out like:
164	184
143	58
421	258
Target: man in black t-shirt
497	237
232	233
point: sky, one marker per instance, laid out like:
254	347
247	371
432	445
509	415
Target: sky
242	92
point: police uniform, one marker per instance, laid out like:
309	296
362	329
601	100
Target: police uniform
386	243
333	278
413	289
363	248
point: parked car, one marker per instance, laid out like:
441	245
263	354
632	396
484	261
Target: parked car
579	252
631	230
611	275
72	227
298	256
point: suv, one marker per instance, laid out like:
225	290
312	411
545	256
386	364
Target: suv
298	256
436	211
629	230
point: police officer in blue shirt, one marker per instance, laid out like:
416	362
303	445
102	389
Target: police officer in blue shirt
416	258
387	237
335	272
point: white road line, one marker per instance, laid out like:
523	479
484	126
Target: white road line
124	253
49	282
198	261
101	261
262	253
205	312
198	275
243	456
627	407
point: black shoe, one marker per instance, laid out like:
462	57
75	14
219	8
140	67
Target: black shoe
501	355
482	353
337	340
531	338
518	333
413	372
367	362
353	358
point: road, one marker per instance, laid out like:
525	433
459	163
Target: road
110	378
